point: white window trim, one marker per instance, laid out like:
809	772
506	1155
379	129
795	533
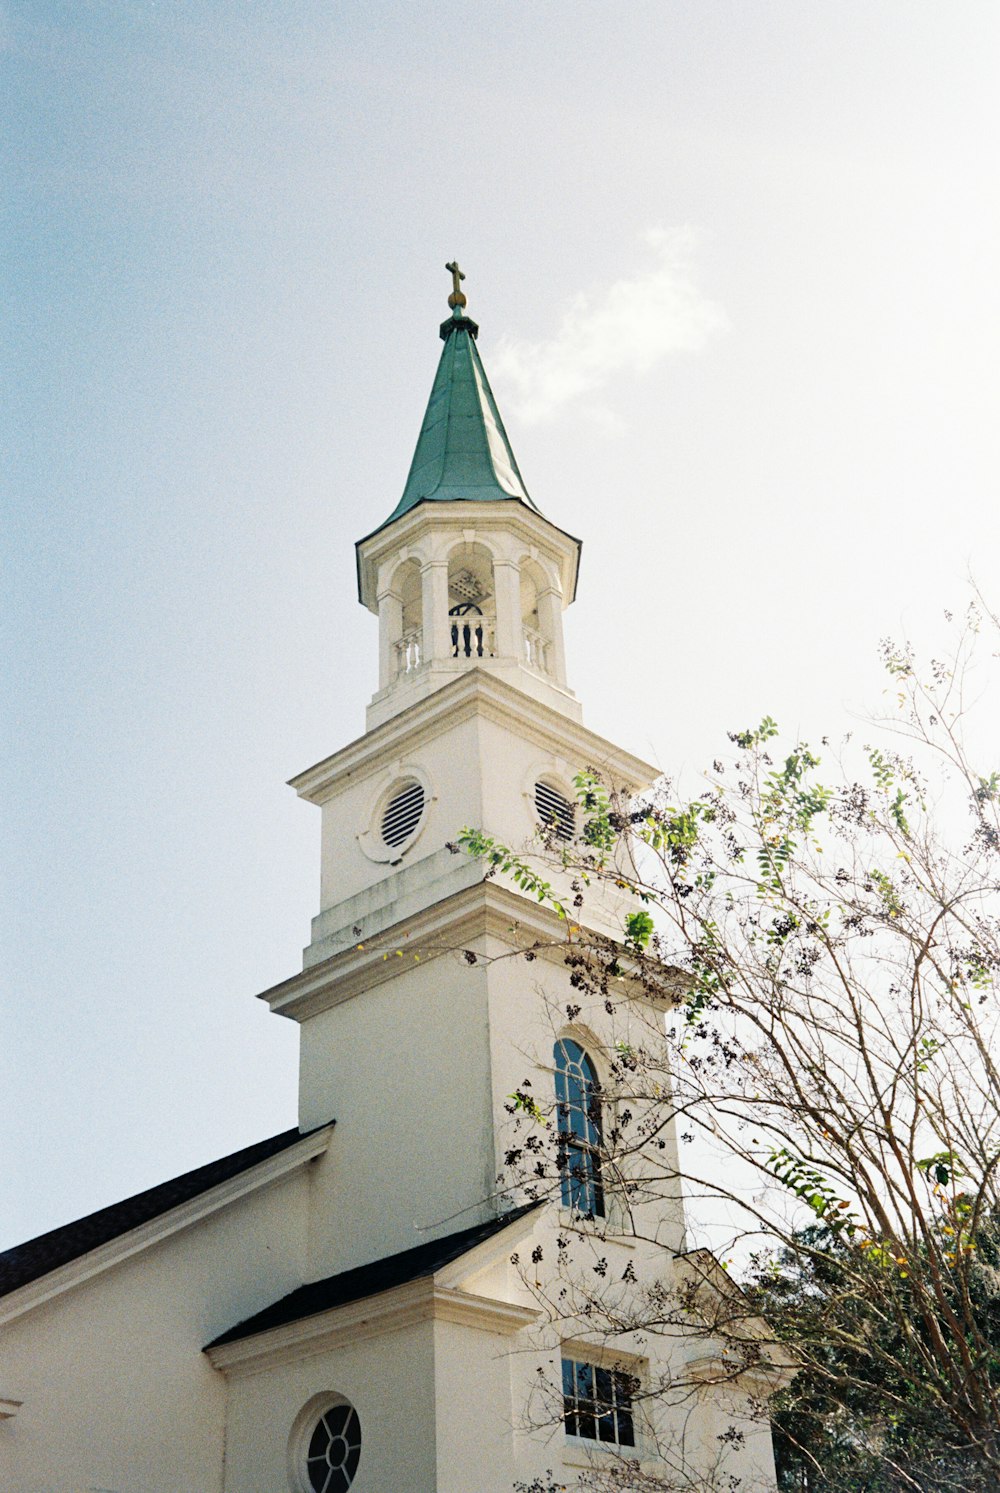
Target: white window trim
392	782
303	1427
581	1451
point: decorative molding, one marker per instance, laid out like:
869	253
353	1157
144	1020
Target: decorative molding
474	692
445	927
485	909
759	1380
512	519
134	1241
391	1311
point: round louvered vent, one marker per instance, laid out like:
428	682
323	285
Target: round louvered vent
402	814
555	811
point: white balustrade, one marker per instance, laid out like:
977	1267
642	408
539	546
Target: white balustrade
409	653
536	651
473	636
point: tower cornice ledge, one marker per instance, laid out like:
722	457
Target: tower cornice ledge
486	910
475	692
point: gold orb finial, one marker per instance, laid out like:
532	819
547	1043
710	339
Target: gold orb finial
456	298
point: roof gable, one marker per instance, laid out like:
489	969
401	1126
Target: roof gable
38	1257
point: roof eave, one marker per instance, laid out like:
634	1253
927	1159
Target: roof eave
477	510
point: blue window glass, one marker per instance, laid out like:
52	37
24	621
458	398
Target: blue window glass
578	1112
597	1403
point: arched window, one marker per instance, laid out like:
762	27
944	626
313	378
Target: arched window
471	602
535	640
578	1111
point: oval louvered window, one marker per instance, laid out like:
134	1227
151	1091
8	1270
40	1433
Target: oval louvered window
555	811
402	814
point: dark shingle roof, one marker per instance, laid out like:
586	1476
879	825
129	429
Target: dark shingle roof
26	1262
369	1280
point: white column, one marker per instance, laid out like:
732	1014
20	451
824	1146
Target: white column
390	630
437	635
550	622
510	629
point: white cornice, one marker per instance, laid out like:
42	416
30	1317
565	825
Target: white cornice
473	693
762	1379
512	517
105	1256
417	1301
446	927
486	909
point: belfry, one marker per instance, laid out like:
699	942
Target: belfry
343	1306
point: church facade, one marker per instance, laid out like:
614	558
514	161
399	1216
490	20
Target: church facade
345	1305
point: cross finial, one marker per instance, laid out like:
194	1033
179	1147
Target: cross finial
456	298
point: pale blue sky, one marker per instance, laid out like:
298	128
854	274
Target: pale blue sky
735	268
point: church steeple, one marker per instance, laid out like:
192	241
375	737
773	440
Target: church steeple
466	573
463	452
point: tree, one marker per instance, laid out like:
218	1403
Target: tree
825	925
830	1432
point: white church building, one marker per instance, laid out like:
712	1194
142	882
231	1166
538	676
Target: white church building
343	1306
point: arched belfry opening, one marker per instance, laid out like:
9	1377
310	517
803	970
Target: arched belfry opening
471	603
536	620
409	648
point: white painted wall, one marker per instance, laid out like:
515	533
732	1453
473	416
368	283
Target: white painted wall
388	1379
404	1068
117	1393
473	1410
479	752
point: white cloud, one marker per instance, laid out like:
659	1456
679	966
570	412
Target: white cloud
627	328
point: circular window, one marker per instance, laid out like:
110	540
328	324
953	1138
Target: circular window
402	814
333	1451
555	810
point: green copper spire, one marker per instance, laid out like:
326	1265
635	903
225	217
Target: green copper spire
463	454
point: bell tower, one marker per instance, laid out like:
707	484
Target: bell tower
466	572
413	1012
371	1290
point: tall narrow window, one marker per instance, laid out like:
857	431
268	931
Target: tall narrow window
578	1111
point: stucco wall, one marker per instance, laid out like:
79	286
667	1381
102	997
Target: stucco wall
389	1379
118	1396
474	1410
404	1067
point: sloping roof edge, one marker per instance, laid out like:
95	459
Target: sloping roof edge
38	1257
370	1280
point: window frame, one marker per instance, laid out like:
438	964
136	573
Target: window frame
585	1181
618	1404
303	1430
